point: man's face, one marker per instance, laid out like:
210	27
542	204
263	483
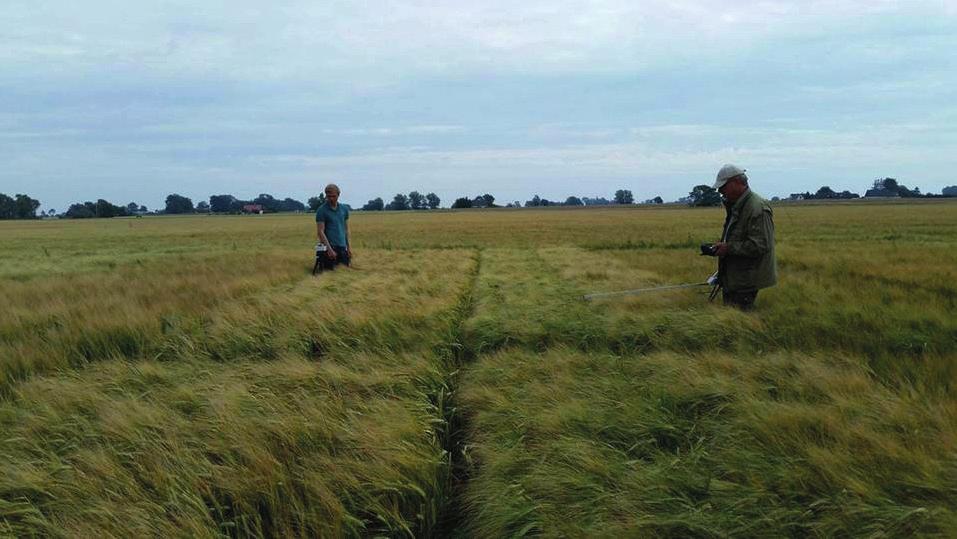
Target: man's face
332	196
733	189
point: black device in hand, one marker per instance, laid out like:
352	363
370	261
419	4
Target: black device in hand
709	249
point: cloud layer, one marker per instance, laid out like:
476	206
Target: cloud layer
554	98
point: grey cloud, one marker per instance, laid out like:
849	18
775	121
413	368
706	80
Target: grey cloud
213	96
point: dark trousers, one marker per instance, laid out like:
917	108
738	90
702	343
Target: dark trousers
342	256
324	262
740	299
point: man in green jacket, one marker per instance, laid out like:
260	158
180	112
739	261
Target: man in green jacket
746	262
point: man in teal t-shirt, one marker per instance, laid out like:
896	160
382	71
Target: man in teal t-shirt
332	228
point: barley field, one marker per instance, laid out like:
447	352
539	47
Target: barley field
189	377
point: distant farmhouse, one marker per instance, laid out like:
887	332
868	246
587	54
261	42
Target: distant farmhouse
253	208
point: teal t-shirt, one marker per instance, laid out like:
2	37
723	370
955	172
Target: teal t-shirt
335	220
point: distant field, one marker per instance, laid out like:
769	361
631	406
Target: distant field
187	376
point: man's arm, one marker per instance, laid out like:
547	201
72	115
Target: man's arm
321	235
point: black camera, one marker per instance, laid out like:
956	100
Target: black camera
709	249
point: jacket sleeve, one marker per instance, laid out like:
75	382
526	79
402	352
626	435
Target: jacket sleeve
757	242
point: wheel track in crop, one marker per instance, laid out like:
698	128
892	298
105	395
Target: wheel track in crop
457	354
462	350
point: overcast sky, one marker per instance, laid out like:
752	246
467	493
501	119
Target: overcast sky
131	101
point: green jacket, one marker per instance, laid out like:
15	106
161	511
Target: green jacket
749	232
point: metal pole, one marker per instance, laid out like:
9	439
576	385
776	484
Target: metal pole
635	292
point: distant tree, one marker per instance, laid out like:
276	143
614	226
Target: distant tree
516	204
105	209
904	192
101	208
221	203
658	200
826	193
8	207
462	202
598	201
416	201
399	202
81	211
18	207
316	201
537	201
949	191
704	195
201	207
624	196
144	209
268	202
51	212
884	187
574	201
484	201
432	200
376	204
25	207
237	205
886	184
176	204
132	208
291	204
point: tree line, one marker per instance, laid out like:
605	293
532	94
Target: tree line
102	208
177	204
23	206
18	207
622	196
881	187
705	195
413	201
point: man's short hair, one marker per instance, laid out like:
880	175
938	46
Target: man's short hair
331	187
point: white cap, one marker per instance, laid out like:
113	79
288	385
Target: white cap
726	173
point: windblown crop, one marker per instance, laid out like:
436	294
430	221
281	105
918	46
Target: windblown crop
189	377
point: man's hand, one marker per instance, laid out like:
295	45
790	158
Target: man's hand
721	248
331	253
349	251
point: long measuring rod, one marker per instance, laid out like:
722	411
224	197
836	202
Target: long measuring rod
637	291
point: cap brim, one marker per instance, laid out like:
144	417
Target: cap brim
717	185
